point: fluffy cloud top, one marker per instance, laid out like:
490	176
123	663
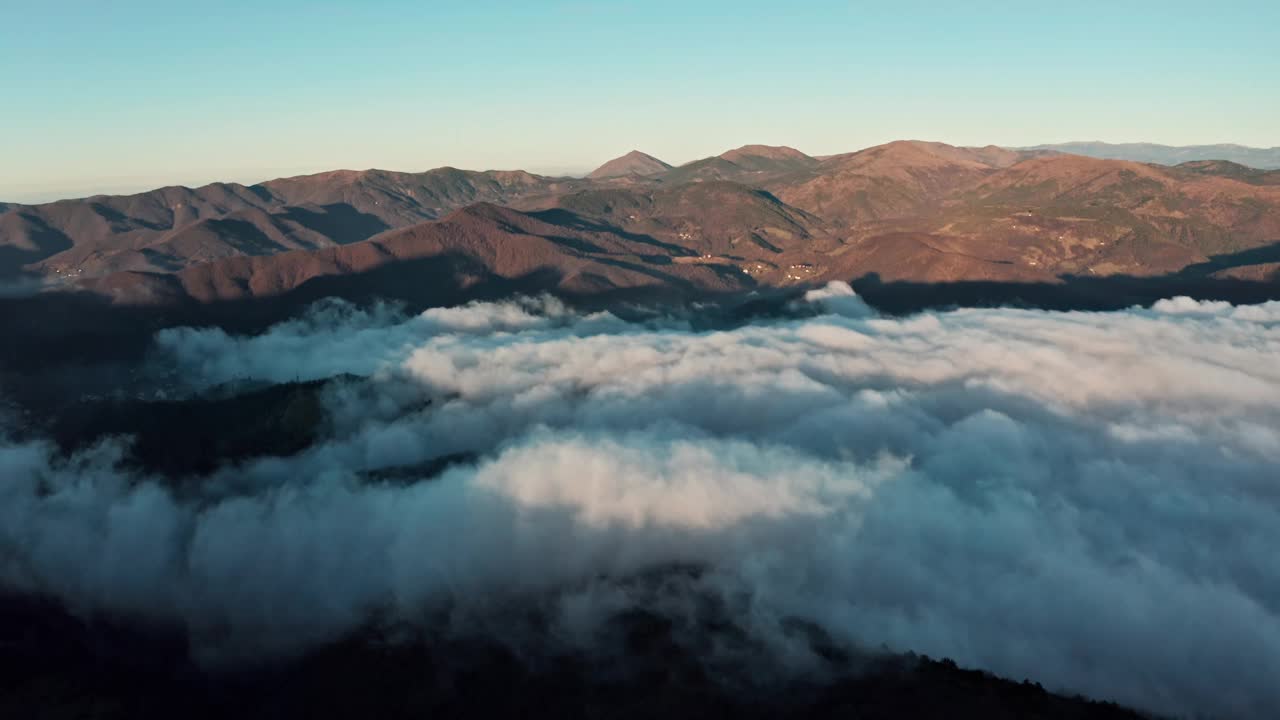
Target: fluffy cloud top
1086	499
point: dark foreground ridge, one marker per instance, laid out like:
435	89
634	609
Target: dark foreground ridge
57	666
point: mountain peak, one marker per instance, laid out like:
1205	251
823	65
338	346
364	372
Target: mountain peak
923	153
772	152
633	163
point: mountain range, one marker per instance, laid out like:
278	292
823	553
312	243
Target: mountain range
1262	158
750	218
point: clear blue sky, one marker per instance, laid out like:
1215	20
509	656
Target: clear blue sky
123	95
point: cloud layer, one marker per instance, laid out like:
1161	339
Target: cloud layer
1090	500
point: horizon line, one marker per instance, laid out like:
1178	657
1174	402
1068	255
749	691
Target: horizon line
108	188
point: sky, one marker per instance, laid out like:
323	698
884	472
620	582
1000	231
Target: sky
124	96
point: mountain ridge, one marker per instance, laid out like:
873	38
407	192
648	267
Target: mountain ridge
1255	157
907	210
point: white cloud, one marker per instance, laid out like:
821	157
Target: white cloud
838	298
1085	499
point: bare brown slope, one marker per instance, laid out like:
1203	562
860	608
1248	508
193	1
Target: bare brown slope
717	218
1046	215
1142	219
780	217
922	257
751	164
769	158
899	179
633	163
401	199
1261	272
81	237
26	238
496	242
251	231
1234	171
106	223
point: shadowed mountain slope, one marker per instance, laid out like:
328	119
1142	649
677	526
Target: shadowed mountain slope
493	240
161	230
108	669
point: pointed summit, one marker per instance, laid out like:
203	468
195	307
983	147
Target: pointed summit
633	163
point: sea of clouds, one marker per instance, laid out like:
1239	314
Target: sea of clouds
1089	500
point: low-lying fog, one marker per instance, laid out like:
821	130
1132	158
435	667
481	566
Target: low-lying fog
1090	500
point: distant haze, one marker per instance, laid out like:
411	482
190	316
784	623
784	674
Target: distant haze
1262	158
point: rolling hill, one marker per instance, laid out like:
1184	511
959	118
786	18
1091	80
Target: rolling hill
170	228
477	243
749	163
